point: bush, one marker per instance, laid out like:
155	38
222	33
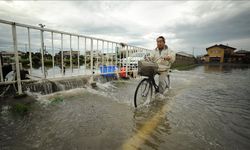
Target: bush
25	62
48	63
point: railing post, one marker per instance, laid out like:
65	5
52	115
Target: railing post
1	67
97	52
70	54
42	53
78	54
85	57
116	54
53	53
102	55
126	60
62	65
112	54
107	55
121	56
30	54
16	58
91	59
129	48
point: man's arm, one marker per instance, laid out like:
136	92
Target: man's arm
170	57
151	57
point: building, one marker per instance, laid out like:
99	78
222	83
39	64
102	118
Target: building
241	56
96	53
184	58
204	58
66	54
9	56
74	54
220	53
11	53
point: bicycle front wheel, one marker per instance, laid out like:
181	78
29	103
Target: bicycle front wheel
143	93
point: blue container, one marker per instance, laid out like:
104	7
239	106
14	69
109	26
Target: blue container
108	71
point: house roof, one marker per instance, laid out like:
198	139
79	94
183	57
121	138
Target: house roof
184	54
221	46
242	52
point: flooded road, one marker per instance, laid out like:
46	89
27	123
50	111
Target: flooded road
207	107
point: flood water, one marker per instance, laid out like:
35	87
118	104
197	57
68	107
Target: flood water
207	107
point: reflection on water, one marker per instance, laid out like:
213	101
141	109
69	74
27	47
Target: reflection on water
207	107
151	124
223	67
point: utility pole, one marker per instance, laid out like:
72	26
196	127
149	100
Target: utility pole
25	48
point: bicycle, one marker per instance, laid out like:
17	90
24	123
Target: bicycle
144	90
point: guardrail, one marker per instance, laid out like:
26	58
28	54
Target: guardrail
101	52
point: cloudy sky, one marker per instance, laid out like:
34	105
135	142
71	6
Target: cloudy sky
185	24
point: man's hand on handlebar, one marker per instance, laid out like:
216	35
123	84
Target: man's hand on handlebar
168	57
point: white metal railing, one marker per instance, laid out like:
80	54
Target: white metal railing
109	50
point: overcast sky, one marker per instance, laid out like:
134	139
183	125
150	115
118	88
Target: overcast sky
185	24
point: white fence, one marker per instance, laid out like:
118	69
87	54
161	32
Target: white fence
96	52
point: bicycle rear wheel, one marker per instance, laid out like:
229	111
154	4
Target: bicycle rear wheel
143	93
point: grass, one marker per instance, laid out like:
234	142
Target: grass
20	108
56	100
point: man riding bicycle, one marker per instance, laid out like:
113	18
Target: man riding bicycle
164	57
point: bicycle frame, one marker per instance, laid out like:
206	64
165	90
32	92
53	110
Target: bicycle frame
152	81
156	87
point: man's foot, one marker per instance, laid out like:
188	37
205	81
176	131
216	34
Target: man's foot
159	96
165	92
157	90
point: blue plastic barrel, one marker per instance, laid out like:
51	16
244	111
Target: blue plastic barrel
108	71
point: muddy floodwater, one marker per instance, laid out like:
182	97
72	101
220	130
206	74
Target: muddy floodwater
207	107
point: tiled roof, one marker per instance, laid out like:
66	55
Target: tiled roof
242	52
221	46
